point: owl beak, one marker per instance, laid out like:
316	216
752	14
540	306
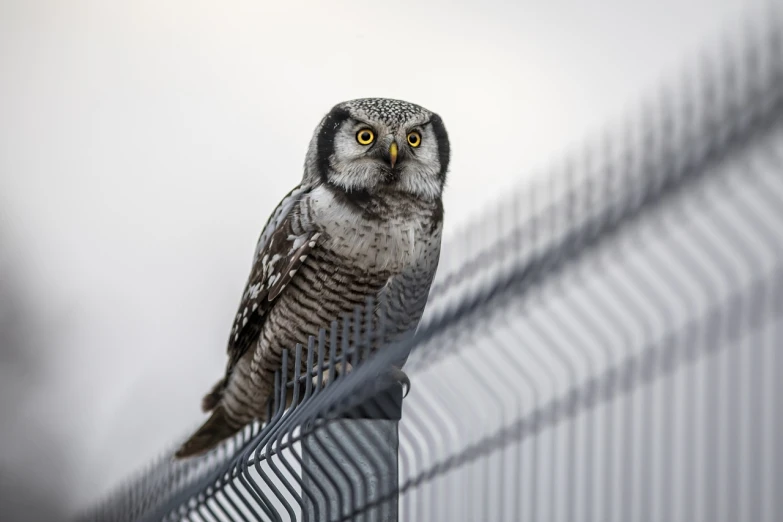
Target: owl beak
393	153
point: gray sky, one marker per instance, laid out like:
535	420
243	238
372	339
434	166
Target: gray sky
143	145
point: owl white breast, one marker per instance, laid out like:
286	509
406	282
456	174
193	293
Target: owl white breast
389	242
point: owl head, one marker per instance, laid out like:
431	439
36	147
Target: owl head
372	146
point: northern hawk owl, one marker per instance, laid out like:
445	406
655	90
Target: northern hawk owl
365	221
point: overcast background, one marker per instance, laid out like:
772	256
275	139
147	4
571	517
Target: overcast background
143	145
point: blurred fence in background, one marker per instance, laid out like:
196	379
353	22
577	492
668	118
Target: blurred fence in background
604	345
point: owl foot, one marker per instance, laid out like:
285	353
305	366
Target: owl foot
340	368
343	368
402	378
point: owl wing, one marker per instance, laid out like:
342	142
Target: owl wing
279	254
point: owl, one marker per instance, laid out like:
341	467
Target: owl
365	222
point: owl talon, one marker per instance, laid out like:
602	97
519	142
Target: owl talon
402	378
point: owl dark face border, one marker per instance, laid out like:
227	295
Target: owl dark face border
325	146
444	148
326	138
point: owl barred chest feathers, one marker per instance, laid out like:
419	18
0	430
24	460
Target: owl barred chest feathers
354	259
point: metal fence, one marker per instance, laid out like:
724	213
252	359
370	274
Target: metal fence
604	345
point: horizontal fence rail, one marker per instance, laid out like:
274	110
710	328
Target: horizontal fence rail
603	345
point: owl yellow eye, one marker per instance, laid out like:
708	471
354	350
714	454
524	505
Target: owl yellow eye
365	136
414	139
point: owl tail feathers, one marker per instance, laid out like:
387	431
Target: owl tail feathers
210	434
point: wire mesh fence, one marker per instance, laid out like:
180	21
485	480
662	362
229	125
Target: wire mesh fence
604	345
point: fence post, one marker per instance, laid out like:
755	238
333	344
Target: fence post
359	454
